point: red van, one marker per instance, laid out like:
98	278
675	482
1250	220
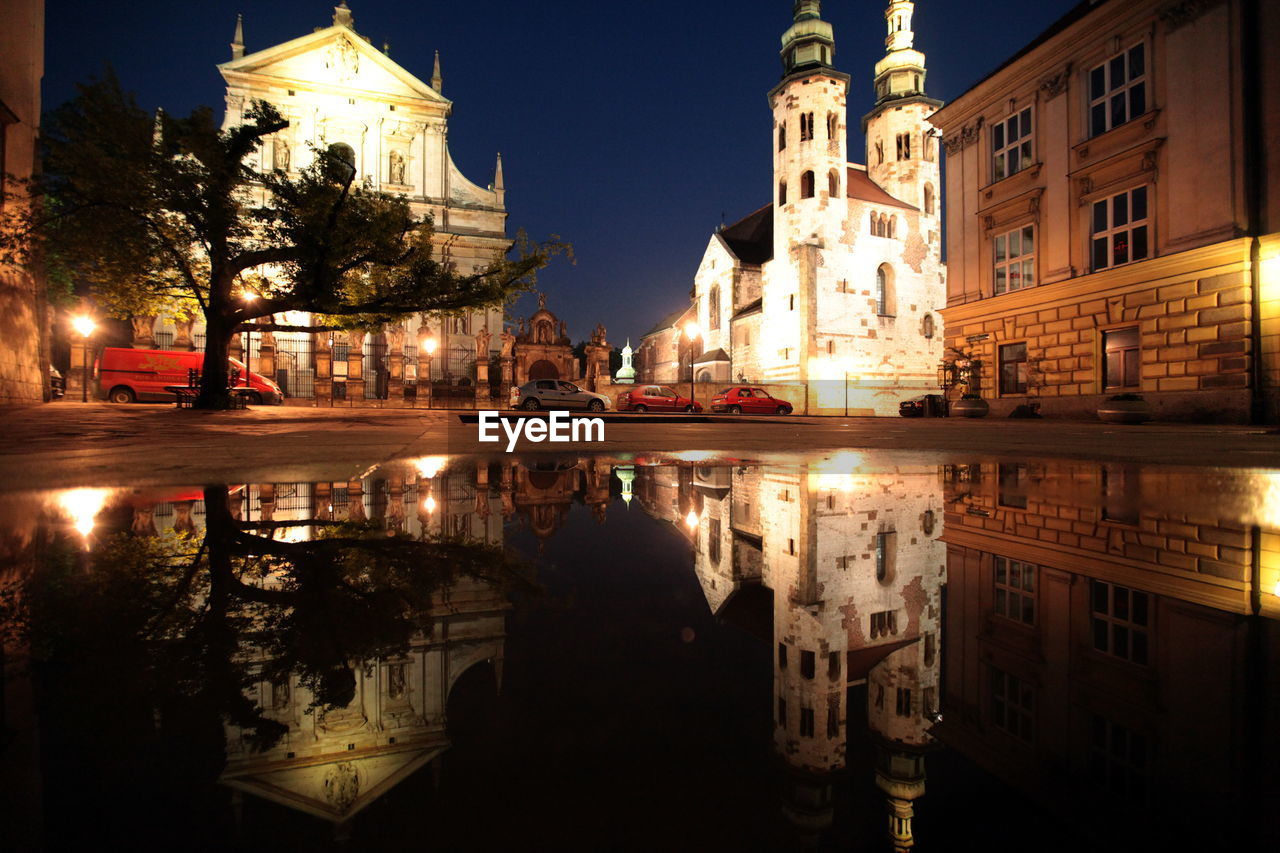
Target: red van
133	375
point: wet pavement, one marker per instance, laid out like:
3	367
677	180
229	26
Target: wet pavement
871	649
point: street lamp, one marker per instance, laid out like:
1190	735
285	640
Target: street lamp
84	325
428	346
692	332
249	298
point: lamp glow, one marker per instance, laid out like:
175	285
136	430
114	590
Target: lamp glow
691	519
692	331
429	466
429	344
83	325
429	504
82	507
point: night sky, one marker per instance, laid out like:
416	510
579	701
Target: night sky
628	129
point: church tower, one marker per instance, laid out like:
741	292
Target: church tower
902	146
809	164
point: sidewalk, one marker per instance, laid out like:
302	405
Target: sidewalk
98	443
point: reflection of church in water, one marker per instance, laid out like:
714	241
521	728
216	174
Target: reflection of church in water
855	567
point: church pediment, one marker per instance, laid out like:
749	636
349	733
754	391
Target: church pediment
335	58
334	790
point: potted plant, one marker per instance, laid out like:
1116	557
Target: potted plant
970	406
1125	409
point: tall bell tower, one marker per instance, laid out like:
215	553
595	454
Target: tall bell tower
902	146
809	175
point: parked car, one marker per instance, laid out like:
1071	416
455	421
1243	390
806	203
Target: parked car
924	406
57	383
134	375
743	399
557	394
655	398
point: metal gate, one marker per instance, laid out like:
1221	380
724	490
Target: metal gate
295	365
376	373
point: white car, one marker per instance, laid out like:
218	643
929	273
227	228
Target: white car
557	394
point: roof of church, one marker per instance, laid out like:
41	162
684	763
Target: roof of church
862	187
715	355
750	239
666	322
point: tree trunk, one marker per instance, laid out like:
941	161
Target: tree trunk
215	375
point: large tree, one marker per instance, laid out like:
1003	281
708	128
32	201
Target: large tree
164	214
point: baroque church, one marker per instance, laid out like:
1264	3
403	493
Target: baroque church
340	92
832	290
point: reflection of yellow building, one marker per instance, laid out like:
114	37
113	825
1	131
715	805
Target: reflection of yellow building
1104	620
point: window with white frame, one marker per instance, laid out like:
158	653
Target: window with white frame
1011	145
1120	229
1013	705
1118	90
1120	621
1015	259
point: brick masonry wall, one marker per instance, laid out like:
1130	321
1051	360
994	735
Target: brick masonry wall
1195	348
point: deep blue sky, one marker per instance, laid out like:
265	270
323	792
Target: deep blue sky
626	128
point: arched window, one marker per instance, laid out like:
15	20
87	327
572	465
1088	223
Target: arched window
833	184
833	125
782	193
930	147
782	137
806	185
806	126
891	228
875	226
713	307
885	306
928	199
345	160
879	152
926	326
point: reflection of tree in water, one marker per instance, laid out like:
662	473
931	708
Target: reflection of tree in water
141	656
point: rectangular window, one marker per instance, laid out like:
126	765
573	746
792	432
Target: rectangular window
1013	369
1015	590
806	722
1121	358
1118	90
1121	497
808	661
833	665
1120	230
1011	479
1120	620
1015	259
782	712
1011	145
833	715
904	702
1012	705
1118	760
782	656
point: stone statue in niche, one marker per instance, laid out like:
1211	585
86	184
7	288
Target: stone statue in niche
508	343
482	343
280	153
396	172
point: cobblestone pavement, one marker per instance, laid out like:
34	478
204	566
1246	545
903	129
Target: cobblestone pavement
69	443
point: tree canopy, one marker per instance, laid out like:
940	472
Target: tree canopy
160	214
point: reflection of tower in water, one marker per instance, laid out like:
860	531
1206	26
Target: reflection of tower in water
856	569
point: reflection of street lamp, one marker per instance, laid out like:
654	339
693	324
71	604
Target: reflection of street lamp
692	332
84	325
691	519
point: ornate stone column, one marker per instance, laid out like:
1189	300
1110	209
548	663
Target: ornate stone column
424	378
482	367
267	501
355	366
355	500
395	364
144	336
267	354
322	353
182	339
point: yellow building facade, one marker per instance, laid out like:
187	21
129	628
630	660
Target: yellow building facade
1108	225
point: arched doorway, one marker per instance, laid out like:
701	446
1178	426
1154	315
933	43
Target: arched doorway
543	369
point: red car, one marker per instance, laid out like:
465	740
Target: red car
655	398
752	401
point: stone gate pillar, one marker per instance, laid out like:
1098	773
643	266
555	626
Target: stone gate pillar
355	367
395	364
322	353
267	355
144	335
182	339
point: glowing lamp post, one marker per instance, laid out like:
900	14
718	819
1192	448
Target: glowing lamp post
249	298
692	332
428	347
84	326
